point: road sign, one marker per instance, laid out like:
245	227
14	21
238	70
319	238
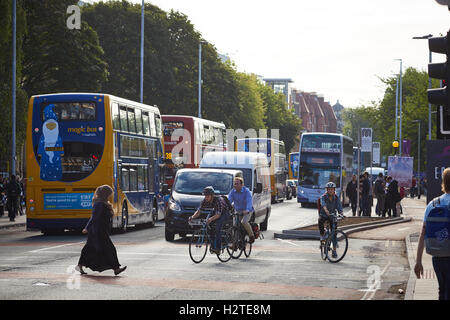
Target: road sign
366	139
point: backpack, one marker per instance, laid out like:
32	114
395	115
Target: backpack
437	229
255	229
228	205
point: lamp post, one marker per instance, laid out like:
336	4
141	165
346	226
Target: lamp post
142	54
429	87
13	93
200	79
418	158
397	100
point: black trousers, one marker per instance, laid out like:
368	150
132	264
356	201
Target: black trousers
321	222
13	206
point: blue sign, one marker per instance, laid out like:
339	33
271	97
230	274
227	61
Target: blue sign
70	201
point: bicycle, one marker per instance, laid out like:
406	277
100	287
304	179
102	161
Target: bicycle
201	239
239	238
335	245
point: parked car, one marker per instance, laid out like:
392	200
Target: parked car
292	188
256	172
186	196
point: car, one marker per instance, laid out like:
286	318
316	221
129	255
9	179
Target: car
186	196
292	188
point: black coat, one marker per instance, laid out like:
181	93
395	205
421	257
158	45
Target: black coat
393	196
351	191
99	253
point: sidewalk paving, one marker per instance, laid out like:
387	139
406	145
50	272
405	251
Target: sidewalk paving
20	221
425	288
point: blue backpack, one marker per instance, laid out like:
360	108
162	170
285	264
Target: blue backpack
437	230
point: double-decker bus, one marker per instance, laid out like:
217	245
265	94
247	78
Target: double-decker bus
276	157
196	137
79	141
323	157
293	165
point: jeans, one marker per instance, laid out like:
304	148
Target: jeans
441	267
217	243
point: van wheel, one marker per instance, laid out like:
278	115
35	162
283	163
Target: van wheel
263	225
170	236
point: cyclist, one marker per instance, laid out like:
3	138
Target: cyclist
219	214
243	203
329	204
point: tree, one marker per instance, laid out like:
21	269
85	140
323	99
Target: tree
6	79
56	58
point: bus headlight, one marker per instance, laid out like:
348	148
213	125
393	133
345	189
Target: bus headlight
173	205
32	209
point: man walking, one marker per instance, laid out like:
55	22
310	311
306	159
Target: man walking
13	194
380	194
352	193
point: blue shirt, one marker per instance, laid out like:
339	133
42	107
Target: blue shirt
242	200
444	199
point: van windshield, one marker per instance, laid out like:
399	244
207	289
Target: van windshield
193	182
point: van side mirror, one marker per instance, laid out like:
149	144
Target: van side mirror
258	188
165	189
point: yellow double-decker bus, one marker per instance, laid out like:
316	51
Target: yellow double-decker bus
276	157
79	141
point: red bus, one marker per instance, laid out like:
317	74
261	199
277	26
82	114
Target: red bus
197	137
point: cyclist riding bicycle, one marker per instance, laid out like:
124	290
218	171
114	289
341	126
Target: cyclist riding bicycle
219	214
329	204
241	197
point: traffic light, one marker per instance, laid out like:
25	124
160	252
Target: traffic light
441	96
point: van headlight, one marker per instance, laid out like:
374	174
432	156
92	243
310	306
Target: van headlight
173	205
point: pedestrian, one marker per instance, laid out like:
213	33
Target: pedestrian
12	194
352	193
99	253
441	265
365	195
2	197
380	194
392	197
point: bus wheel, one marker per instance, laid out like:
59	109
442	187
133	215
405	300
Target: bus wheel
154	215
263	225
123	227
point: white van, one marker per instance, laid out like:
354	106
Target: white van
256	173
374	171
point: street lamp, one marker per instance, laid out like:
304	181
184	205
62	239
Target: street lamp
399	98
429	87
142	54
418	158
200	78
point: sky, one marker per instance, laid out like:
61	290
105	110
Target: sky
338	49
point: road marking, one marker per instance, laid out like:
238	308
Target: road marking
54	247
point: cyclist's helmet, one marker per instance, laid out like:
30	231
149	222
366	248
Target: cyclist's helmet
208	191
331	185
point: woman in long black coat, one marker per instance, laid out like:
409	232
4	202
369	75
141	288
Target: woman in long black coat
99	253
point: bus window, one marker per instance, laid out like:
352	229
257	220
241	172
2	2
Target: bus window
123	118
140	178
145	177
138	121
131	120
72	111
152	124
125	179
158	125
115	116
145	124
133	179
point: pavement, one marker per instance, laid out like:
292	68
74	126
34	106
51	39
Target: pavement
425	288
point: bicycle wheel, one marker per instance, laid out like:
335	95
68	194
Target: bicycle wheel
198	246
235	248
247	246
336	246
224	254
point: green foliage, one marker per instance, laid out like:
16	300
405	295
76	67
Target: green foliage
381	115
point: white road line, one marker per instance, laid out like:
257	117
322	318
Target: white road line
54	247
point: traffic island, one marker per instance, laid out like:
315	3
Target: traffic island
348	225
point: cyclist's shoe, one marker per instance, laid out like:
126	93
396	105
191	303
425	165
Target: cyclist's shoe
215	251
334	254
252	239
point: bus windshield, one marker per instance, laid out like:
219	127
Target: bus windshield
193	182
68	139
318	169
